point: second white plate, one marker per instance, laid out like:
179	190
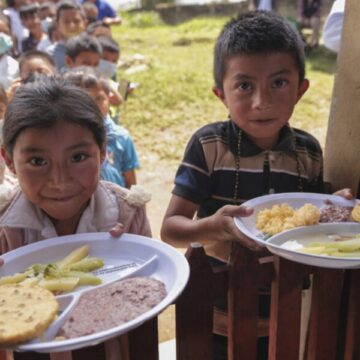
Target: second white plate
247	225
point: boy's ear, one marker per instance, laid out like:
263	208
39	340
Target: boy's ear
219	93
303	88
8	160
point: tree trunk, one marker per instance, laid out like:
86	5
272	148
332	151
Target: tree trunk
342	163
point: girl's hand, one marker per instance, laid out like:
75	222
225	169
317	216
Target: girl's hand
345	193
1	262
117	230
223	219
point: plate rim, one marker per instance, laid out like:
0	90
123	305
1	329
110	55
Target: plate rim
175	256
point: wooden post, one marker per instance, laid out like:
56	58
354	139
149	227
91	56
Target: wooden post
342	165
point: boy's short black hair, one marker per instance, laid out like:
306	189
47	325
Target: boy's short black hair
257	32
31	54
108	44
91	27
68	5
29	10
45	102
80	43
87	77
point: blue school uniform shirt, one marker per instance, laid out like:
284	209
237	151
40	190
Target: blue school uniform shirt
121	155
104	9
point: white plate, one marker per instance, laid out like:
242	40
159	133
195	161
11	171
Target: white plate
126	256
275	242
247	225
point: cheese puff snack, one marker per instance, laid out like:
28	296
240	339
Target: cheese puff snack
271	221
283	217
306	215
355	213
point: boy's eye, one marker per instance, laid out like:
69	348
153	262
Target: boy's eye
79	157
245	86
37	161
279	83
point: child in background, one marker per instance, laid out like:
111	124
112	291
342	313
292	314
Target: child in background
109	57
259	71
91	12
30	18
98	28
31	63
83	50
17	29
9	68
108	68
70	21
35	61
106	13
55	148
121	159
47	12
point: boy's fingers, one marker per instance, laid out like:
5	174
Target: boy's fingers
117	230
233	210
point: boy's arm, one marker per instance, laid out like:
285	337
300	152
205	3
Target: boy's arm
180	229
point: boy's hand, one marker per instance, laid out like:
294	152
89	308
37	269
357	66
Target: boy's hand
1	262
117	230
345	193
223	219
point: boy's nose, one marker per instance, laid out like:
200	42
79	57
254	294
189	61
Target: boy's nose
261	99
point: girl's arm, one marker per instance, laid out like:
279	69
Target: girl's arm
130	178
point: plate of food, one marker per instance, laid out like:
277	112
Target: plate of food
276	213
330	245
79	290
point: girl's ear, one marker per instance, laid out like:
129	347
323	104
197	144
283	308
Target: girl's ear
303	88
8	160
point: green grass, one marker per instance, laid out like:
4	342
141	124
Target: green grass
175	94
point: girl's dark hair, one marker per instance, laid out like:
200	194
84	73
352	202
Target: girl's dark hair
45	102
257	32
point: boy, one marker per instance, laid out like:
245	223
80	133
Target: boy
259	76
30	18
35	61
259	80
98	28
83	50
110	56
70	21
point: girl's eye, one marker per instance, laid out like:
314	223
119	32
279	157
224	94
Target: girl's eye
79	157
279	83
245	86
37	161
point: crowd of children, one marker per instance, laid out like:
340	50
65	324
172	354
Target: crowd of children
68	37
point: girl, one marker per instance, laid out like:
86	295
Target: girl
54	141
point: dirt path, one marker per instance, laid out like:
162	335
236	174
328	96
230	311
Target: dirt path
160	184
